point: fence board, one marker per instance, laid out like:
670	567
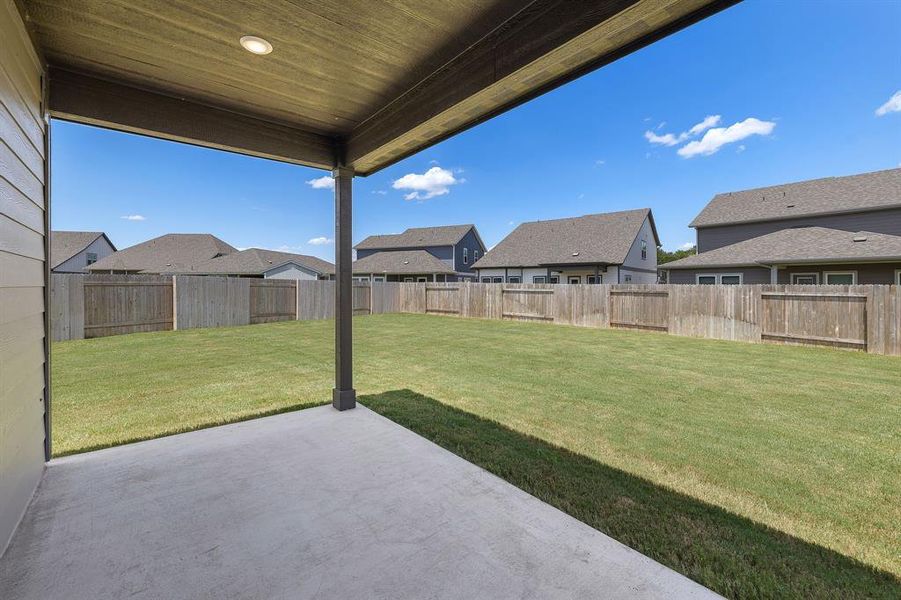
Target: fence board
211	302
315	300
119	304
272	300
640	307
66	307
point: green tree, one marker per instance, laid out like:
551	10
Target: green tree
665	256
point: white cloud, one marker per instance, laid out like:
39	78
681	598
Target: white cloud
892	105
379	192
687	246
600	163
718	137
134	217
320	241
665	140
708	122
322	183
662	125
434	182
740	149
669	139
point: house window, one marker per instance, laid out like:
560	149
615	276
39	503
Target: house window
514	279
475	255
805	278
92	258
361	279
379	279
840	277
719	278
595	279
627	279
644	250
574	279
497	280
731	279
539	279
898	277
422	279
408	280
465	256
553	279
486	280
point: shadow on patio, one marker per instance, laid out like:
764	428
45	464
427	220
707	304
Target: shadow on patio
725	552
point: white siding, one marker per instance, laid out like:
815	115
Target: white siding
77	263
529	273
290	271
22	271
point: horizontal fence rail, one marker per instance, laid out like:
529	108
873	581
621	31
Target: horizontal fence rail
862	317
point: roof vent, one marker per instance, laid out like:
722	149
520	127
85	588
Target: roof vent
860	238
789	206
406	262
575	254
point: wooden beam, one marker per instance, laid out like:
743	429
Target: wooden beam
546	44
88	99
343	395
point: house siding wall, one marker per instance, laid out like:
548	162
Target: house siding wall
877	221
528	274
22	270
77	263
471	241
290	272
642	270
867	274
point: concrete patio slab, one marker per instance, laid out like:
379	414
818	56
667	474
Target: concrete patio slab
311	504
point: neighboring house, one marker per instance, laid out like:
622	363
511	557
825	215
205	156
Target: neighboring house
257	262
164	254
75	251
403	265
455	247
837	230
618	247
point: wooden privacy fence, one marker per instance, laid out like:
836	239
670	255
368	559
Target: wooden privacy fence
864	317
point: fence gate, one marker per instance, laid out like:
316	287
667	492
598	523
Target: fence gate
639	309
117	304
821	318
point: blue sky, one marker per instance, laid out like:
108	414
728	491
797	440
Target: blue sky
803	80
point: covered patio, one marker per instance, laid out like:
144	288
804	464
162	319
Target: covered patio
271	508
319	502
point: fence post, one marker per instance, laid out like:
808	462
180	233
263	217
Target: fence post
297	299
174	303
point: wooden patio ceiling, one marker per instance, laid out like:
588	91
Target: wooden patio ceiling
361	83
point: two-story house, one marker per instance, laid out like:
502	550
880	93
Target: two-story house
75	251
836	230
617	247
444	253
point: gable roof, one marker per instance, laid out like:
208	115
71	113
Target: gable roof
799	245
418	237
66	244
830	195
593	239
165	253
402	262
254	261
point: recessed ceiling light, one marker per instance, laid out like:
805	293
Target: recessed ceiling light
255	44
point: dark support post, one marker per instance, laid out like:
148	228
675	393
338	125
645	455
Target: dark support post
343	396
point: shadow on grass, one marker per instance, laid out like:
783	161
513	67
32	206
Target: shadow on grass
732	555
187	428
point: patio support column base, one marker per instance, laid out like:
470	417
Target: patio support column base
344	399
343	395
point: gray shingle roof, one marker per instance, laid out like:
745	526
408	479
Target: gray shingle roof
593	239
254	261
417	237
402	262
164	253
66	244
854	193
801	245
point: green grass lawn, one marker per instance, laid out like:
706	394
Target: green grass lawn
758	470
